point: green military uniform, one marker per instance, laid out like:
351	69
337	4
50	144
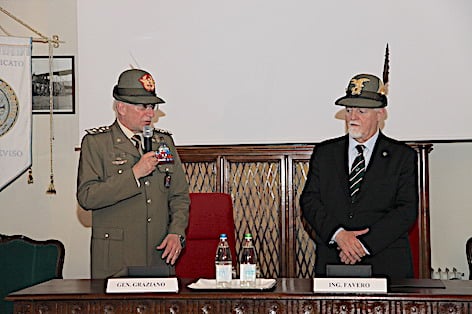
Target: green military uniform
129	220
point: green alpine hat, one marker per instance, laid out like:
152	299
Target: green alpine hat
136	87
364	91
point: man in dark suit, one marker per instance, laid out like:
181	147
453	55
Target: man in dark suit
139	199
365	220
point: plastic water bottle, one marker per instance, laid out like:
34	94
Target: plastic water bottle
247	266
223	263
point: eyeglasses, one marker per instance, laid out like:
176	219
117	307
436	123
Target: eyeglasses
148	106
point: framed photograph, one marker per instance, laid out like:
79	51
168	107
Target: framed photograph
63	79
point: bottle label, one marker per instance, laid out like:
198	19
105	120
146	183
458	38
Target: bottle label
248	272
224	273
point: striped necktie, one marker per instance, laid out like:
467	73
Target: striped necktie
357	172
138	143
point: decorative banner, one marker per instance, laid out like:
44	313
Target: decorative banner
15	108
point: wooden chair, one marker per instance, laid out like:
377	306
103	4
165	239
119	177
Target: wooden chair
25	262
210	215
468	253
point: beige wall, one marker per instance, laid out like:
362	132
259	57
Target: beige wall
27	209
451	208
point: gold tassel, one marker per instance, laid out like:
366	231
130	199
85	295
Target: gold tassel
51	188
30	176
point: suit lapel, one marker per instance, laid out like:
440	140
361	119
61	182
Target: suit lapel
341	164
377	163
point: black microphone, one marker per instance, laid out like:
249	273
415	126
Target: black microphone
147	134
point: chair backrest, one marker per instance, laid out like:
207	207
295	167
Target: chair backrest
468	253
210	215
25	262
414	237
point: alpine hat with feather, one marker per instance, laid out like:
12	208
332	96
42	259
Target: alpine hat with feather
367	90
136	87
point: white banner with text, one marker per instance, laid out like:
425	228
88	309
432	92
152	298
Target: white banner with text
15	108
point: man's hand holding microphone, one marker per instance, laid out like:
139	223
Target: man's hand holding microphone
148	162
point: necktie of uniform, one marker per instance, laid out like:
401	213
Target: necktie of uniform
138	143
357	172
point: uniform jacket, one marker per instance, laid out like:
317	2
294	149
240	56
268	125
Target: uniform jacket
387	204
128	221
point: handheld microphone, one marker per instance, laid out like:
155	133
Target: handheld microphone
147	135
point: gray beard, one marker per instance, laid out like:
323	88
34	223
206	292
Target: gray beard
354	134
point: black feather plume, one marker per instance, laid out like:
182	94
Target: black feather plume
386	68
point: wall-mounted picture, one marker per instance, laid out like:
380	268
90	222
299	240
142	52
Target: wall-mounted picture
63	80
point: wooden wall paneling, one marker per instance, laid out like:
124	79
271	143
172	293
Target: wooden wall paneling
265	182
256	186
304	255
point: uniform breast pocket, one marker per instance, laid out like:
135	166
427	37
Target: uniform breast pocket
165	173
118	163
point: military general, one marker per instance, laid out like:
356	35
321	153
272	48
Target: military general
134	185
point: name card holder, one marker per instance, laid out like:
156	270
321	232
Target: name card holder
350	285
139	285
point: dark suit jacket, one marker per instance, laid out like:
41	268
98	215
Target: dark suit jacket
387	204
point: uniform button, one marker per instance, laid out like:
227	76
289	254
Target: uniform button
351	215
107	235
149	219
147	182
148	201
120	171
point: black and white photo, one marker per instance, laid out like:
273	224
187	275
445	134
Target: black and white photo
63	84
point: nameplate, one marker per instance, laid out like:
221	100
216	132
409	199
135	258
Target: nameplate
350	285
131	285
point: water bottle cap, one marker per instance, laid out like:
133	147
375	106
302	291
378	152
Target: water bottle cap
223	236
247	236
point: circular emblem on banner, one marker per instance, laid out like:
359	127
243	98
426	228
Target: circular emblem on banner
8	107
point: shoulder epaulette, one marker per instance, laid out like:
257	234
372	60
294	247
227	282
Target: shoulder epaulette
101	129
163	131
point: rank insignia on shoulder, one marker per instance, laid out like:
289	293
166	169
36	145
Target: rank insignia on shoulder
101	129
163	131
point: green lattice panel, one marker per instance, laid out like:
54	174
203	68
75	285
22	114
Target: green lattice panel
255	188
305	251
201	176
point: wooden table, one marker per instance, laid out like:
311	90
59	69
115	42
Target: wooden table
290	295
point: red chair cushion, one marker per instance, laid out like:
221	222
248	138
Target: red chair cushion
414	237
211	214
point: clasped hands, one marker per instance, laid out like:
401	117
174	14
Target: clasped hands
351	250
